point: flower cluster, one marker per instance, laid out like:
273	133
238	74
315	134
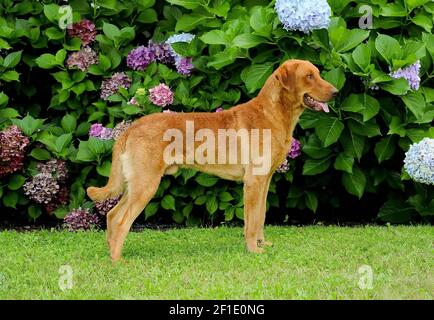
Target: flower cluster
419	161
97	130
80	219
42	188
49	187
183	65
60	199
161	95
140	57
55	167
82	59
120	128
410	73
293	153
111	86
103	207
302	15
12	150
84	29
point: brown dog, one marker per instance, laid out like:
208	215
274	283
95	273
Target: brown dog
139	163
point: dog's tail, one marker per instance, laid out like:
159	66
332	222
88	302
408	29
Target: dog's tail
115	184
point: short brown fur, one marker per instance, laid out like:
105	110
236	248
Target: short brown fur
138	165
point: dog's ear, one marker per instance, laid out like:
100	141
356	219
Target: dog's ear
286	76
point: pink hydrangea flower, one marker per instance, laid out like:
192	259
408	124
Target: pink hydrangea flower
219	109
161	95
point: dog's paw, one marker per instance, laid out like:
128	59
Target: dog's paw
265	243
256	250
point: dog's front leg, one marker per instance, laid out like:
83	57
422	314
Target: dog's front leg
252	210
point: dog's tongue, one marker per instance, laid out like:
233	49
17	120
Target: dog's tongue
324	106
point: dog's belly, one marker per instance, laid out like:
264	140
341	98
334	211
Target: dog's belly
233	172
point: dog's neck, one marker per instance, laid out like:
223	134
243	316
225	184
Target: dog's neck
280	105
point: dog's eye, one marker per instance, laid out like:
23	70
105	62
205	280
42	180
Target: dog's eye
310	76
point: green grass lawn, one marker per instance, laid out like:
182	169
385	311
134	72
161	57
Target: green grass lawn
304	263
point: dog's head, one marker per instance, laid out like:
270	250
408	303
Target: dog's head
302	81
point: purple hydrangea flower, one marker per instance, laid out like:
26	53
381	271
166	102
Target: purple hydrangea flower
111	86
140	57
81	219
293	153
120	128
56	168
419	161
410	73
42	188
84	29
219	109
12	150
161	95
103	207
97	130
60	199
162	52
302	15
82	59
184	66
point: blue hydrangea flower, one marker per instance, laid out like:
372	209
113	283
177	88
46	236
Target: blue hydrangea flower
419	161
182	37
303	15
410	73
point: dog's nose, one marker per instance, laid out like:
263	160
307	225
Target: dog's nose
335	92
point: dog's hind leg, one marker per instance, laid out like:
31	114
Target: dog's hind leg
143	179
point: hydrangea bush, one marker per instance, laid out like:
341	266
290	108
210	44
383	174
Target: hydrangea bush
67	92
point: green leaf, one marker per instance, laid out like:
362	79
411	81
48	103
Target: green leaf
96	146
10	199
396	127
10	75
12	59
261	20
84	153
4	99
416	103
69	123
62	142
388	47
215	37
188	4
344	162
353	144
206	180
46	61
362	56
329	130
16	181
211	204
111	31
9	113
224	58
28	124
247	41
148	16
104	169
313	167
311	201
397	87
52	12
151	209
40	154
413	4
256	75
395	211
336	77
189	21
385	148
34	211
168	202
354	183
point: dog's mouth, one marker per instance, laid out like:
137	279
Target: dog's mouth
315	105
